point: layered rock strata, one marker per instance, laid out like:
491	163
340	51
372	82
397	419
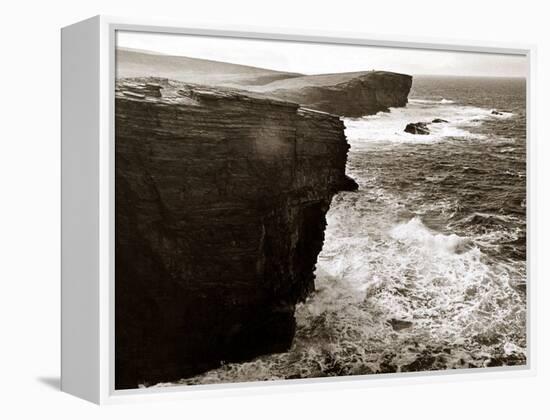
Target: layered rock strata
345	94
220	216
351	94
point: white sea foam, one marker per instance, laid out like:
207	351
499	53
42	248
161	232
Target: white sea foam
415	233
502	115
377	269
431	101
374	272
389	127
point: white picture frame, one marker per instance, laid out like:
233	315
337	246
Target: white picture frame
88	79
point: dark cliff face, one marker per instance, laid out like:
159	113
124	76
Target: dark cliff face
344	94
220	215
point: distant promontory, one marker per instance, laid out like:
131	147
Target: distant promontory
351	94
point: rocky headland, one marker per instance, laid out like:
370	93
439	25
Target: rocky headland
351	94
224	174
220	215
347	94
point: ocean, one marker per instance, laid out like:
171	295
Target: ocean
424	267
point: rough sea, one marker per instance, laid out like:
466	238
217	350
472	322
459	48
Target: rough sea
424	267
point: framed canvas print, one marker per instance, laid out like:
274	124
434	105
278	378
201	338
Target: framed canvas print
246	208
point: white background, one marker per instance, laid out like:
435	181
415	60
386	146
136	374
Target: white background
29	210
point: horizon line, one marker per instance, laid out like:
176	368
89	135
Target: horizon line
163	54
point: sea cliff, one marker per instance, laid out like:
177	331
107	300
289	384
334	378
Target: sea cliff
350	94
346	94
221	199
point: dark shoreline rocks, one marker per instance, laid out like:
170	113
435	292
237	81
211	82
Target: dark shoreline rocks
221	199
421	128
417	128
348	184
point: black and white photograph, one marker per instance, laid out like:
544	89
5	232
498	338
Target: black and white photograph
283	210
293	210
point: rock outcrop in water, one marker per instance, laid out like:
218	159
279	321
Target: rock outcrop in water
220	215
422	127
417	128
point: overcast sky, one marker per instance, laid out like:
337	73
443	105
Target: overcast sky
312	58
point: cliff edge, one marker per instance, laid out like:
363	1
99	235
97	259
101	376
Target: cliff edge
221	199
352	94
346	94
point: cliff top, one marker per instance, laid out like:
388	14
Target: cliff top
137	63
173	92
330	80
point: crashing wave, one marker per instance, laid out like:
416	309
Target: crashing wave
414	232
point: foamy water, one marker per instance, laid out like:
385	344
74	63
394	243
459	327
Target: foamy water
424	267
389	126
